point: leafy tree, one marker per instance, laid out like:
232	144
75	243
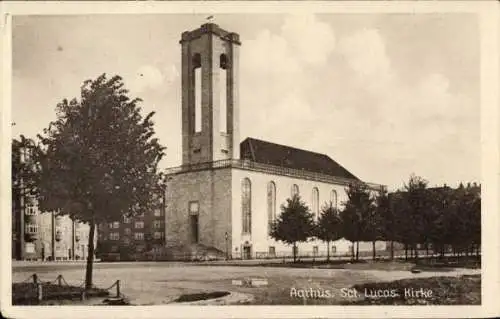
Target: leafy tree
437	217
380	224
417	205
294	224
465	219
399	208
475	218
372	226
356	213
328	227
100	158
387	212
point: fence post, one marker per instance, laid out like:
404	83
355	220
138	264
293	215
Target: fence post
39	292
35	279
117	288
83	295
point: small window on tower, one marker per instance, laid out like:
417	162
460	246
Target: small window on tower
194	208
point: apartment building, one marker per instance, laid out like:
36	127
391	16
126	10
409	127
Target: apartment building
40	235
130	238
46	236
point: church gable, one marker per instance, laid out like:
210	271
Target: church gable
285	156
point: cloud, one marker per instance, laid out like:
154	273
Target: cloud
171	74
383	103
344	96
421	120
311	40
365	53
276	74
146	77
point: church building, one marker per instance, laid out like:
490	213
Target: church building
227	192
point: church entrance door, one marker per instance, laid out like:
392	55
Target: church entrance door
247	252
194	228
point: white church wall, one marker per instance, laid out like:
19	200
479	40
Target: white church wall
259	238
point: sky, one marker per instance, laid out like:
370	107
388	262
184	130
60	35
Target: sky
384	95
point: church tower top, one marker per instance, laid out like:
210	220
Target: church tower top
210	106
211	28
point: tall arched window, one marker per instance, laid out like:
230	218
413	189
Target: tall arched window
271	205
197	91
295	190
333	198
223	92
315	202
246	205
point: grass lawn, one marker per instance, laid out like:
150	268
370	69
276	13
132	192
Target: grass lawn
464	290
385	265
424	264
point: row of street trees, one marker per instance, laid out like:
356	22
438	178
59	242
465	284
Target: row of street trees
416	216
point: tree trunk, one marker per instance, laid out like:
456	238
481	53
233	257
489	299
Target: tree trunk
427	249
294	252
406	252
357	250
392	249
416	253
352	251
90	257
374	253
53	238
327	251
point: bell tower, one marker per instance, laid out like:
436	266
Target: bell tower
210	110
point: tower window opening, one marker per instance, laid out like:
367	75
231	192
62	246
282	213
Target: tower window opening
197	92
223	93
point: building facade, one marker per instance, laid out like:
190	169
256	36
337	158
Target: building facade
40	235
133	238
226	193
